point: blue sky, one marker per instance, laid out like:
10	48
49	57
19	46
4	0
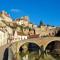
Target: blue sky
46	10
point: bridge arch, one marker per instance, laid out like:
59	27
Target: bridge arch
30	46
38	41
30	49
5	55
18	44
48	42
33	42
8	53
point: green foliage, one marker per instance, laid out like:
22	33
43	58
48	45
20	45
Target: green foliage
30	22
41	24
21	27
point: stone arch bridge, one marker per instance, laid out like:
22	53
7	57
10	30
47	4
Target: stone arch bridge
39	41
17	44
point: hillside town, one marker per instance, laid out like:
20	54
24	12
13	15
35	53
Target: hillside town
21	29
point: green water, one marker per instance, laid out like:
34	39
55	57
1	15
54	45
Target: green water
35	56
29	53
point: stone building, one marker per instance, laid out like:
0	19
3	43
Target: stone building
5	16
3	36
23	21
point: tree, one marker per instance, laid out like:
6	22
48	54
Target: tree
21	27
41	23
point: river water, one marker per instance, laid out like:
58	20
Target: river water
31	53
33	56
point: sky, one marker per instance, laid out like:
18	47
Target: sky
47	11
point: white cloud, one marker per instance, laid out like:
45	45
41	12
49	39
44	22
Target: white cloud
15	10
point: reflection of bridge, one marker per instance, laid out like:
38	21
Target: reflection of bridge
39	41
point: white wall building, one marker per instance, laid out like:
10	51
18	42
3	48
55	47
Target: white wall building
17	37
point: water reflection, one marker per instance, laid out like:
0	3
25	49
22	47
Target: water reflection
32	51
53	49
29	51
